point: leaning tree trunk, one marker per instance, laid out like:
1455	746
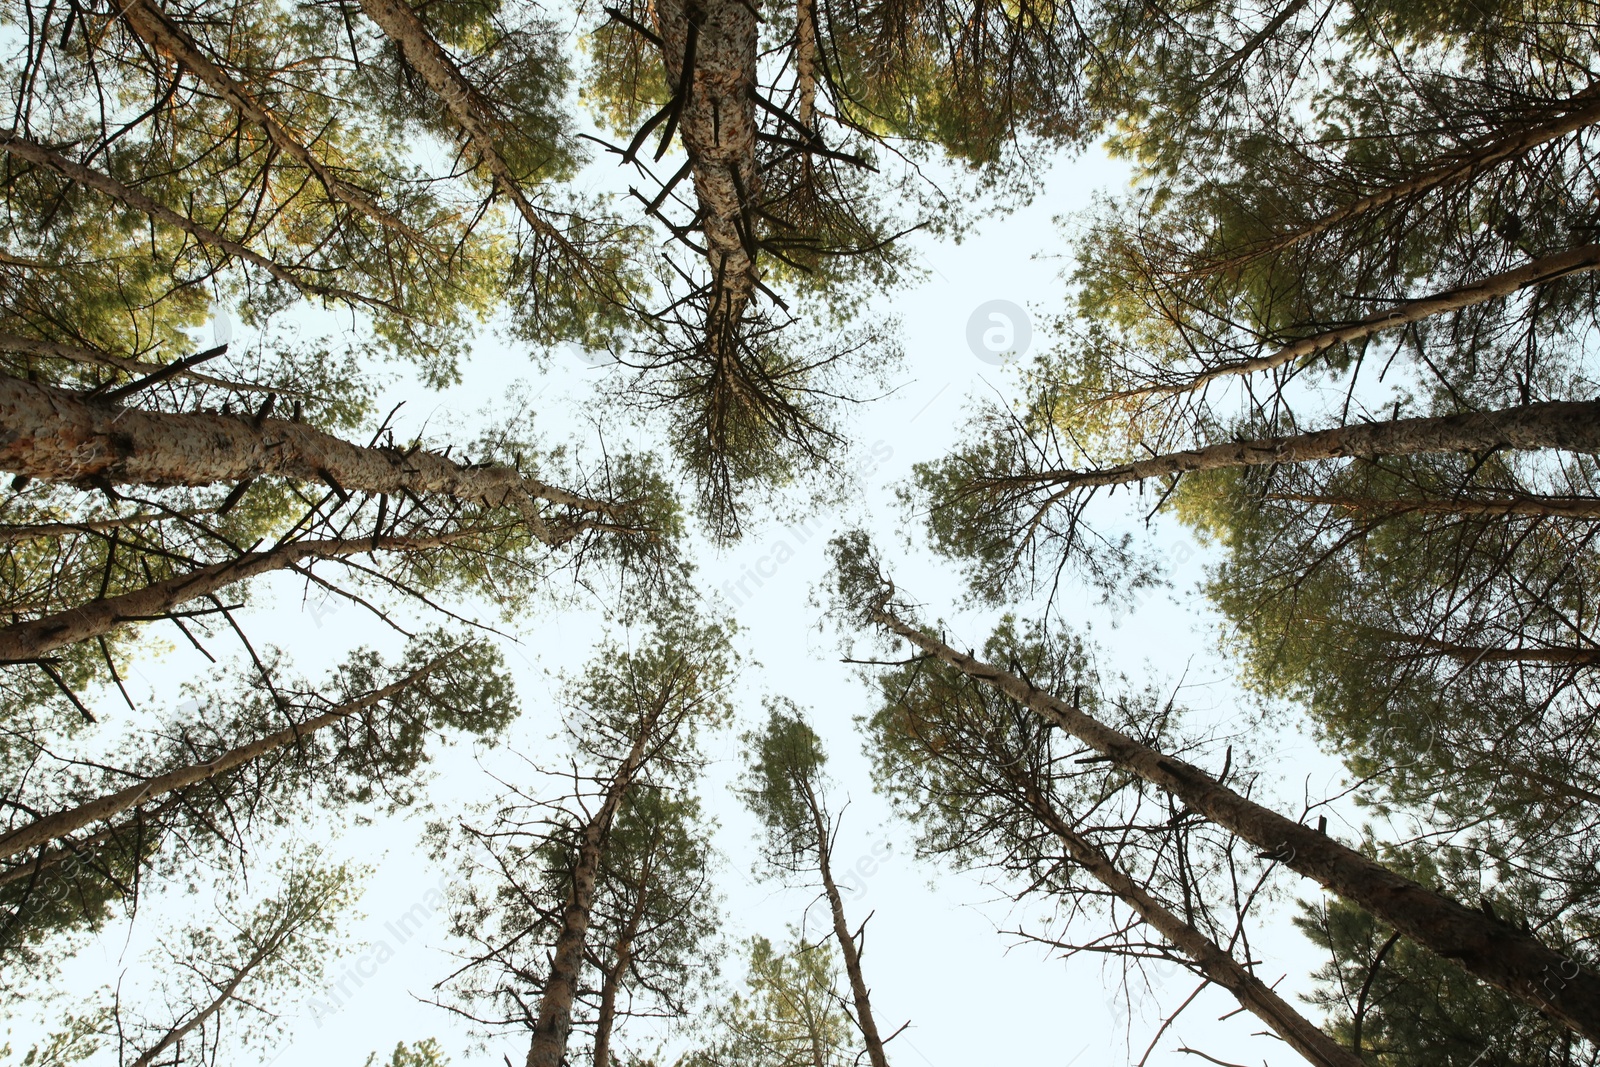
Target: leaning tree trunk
60	436
1486	947
1581	110
554	1023
1539	272
57	826
26	642
1573	426
841	932
1213	961
1539	506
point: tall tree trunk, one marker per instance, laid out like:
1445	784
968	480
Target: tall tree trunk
1539	272
1491	950
1578	111
621	960
554	1025
1570	425
1560	656
709	49
49	859
78	353
23	148
61	436
57	826
157	29
1215	962
841	932
472	112
1562	507
26	642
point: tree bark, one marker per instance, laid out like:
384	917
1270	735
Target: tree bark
1539	272
1213	961
1562	507
26	642
57	826
156	29
841	932
1561	656
622	959
1582	109
40	156
1573	426
60	436
554	1025
715	46
1491	950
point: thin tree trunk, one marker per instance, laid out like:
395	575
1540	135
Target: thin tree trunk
61	824
225	994
710	61
805	59
1493	951
472	112
26	642
1564	507
60	436
1564	656
1539	272
554	1025
622	959
841	932
1582	110
1215	962
156	29
37	154
34	346
1573	426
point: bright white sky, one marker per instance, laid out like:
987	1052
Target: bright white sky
934	953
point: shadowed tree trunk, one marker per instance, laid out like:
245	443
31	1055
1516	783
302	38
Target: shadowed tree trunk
57	826
1486	947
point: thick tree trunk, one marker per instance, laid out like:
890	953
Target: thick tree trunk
57	826
59	436
841	932
716	117
1580	111
155	28
1491	950
26	642
40	156
1539	272
1573	426
554	1025
49	859
1213	961
1563	507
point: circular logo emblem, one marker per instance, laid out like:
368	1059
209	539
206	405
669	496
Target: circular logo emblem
999	332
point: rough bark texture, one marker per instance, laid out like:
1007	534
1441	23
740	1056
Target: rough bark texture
717	122
40	156
56	435
1539	272
61	824
1560	656
25	642
847	943
155	28
1583	110
1216	963
1573	426
1488	948
549	1045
